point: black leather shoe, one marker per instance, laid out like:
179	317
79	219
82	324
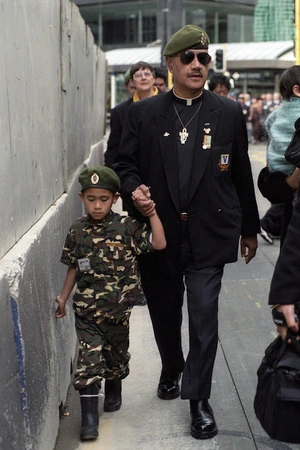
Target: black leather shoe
203	422
113	397
168	388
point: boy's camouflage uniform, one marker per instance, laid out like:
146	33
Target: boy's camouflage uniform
108	285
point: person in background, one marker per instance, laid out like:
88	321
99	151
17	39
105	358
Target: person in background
161	79
129	83
244	100
255	117
272	223
220	84
285	284
276	99
244	106
268	107
196	165
100	251
279	180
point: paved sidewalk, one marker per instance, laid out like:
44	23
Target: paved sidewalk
147	423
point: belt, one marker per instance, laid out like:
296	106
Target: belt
184	217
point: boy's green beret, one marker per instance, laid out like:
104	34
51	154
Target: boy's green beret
189	36
99	177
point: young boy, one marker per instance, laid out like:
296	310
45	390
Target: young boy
100	252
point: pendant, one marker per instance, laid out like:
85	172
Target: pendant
183	135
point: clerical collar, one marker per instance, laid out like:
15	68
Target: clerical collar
187	101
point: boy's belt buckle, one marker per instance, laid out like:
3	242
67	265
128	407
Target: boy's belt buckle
184	217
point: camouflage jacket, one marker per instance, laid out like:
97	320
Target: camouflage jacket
104	255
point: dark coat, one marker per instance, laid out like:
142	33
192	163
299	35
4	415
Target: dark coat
221	204
117	119
285	284
273	186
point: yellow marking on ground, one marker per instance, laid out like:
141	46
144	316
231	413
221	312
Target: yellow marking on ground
258	305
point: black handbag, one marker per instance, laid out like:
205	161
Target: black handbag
292	153
277	398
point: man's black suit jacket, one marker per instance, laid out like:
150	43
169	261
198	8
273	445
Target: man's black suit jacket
221	204
117	118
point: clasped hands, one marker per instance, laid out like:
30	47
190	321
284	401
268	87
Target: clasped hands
142	200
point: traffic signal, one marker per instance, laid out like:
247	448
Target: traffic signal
219	64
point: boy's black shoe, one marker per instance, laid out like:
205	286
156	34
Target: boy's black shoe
89	412
203	422
113	396
168	387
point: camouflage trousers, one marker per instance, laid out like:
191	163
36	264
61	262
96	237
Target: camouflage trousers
103	348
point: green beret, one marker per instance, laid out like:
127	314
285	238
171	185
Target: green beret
189	36
127	76
99	177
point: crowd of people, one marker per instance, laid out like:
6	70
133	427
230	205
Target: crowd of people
179	159
256	109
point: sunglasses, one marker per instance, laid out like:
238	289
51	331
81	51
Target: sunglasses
188	56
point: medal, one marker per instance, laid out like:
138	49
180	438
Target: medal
183	134
207	137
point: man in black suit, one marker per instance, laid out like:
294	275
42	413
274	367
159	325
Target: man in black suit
190	147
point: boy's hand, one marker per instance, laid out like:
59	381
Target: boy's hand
61	309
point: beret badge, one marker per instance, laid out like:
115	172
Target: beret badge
203	40
94	178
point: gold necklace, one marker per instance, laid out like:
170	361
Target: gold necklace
183	134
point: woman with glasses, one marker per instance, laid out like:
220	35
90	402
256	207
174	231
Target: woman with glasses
142	76
189	146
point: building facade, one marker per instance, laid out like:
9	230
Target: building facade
125	24
131	28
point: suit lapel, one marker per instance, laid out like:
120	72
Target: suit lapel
167	141
207	125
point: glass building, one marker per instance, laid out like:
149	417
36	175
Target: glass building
129	29
123	23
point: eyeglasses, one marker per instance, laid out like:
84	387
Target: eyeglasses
142	75
188	56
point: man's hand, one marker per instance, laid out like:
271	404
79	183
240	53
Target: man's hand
289	313
142	200
248	247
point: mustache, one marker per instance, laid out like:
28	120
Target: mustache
195	72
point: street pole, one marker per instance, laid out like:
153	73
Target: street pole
297	31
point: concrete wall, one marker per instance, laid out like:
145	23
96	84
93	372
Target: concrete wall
52	119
